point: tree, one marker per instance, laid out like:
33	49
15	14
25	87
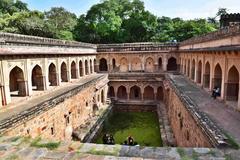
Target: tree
63	22
11	6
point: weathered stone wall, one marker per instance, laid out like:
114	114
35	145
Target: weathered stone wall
59	122
186	131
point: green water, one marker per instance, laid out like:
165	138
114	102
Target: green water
143	127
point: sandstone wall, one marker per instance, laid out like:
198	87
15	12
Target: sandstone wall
59	122
186	130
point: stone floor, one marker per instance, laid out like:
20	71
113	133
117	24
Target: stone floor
226	118
19	148
28	102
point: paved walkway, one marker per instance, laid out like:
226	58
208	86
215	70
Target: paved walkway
226	118
26	104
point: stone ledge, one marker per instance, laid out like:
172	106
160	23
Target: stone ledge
211	130
9	38
20	148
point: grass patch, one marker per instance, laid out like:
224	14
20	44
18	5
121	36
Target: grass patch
49	145
15	139
232	141
211	152
144	127
102	152
182	154
228	157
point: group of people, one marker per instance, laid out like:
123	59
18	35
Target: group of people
216	92
108	139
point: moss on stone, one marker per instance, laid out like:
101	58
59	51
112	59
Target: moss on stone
50	145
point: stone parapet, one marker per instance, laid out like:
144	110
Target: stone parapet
128	47
219	34
210	129
9	38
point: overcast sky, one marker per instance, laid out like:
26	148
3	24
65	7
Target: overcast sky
186	9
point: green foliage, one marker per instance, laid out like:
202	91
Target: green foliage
232	141
50	145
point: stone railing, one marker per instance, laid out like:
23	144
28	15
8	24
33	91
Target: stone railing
10	38
151	46
219	34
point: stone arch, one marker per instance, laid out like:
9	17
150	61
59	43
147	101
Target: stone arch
199	72
17	84
149	65
52	75
103	65
160	63
160	93
135	93
123	65
136	64
64	75
91	66
80	68
113	63
148	93
111	92
193	69
217	79
232	84
86	68
37	78
122	92
172	64
207	75
73	70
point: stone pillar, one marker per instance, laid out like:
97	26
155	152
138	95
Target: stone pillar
89	69
58	73
77	69
69	70
143	67
83	65
155	96
195	74
45	72
27	78
155	67
128	96
129	67
164	64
